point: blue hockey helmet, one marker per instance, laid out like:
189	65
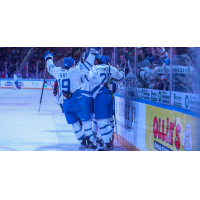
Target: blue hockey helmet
105	60
98	58
68	62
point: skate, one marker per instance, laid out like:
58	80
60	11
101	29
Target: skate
91	144
112	141
84	146
104	146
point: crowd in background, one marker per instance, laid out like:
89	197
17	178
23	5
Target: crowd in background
12	57
148	58
153	67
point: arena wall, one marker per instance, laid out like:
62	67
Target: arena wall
149	126
27	84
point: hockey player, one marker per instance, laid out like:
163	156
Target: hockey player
55	92
86	94
99	77
16	85
85	88
96	136
70	93
113	88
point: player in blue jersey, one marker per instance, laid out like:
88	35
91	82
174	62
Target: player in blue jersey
70	93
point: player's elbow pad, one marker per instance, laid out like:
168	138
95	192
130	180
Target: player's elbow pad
120	75
90	61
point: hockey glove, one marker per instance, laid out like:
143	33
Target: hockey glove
48	55
121	69
55	92
94	50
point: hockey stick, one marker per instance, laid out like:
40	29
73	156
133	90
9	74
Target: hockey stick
51	84
42	88
112	105
43	83
49	80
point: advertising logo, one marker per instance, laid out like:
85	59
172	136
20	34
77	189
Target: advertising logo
142	93
177	101
21	84
167	134
35	84
187	138
159	96
8	83
165	96
186	101
168	130
45	84
153	95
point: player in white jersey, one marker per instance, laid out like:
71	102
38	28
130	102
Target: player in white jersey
16	85
105	60
96	136
99	77
70	93
87	97
113	86
85	89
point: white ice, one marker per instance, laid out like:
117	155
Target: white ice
23	128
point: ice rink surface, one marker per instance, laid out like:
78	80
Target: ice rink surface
23	128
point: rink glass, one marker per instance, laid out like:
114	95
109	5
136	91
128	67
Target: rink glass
165	75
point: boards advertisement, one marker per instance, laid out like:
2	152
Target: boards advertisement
159	96
168	130
130	121
155	128
186	100
27	84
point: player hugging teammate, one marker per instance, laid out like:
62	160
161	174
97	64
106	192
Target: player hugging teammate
93	101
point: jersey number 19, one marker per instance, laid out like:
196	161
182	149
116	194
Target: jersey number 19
65	84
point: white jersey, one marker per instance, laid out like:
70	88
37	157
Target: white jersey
15	77
99	75
85	86
69	80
